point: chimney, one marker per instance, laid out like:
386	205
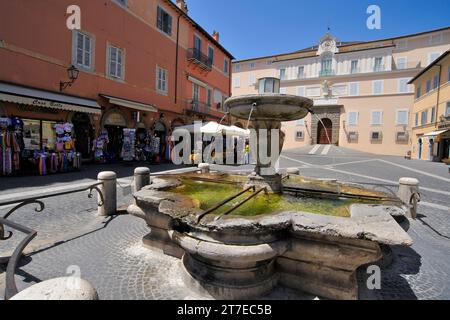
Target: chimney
216	36
182	5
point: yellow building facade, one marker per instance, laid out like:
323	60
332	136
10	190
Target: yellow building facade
431	111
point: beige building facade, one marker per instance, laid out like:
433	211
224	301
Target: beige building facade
431	111
361	91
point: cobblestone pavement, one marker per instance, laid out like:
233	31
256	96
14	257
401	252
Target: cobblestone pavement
109	254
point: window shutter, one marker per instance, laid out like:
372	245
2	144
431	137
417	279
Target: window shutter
159	22
169	24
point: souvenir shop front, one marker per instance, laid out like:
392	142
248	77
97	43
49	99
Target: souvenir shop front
43	132
131	131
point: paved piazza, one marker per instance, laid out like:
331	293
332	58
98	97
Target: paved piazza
108	251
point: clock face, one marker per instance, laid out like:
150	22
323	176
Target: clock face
327	44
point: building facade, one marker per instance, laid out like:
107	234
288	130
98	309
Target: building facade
143	65
431	111
360	89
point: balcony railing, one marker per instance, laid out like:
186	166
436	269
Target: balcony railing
355	70
196	57
201	108
327	73
379	69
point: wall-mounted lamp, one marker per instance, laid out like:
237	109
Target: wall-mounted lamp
72	74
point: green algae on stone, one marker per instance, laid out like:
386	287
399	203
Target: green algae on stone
209	194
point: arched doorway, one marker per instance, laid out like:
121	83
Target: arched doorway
160	131
83	134
114	121
324	131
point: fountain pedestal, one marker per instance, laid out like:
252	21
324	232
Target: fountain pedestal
272	183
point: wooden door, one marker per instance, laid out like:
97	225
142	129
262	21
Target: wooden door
324	131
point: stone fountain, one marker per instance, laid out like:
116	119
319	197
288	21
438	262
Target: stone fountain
239	236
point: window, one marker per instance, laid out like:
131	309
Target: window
339	90
299	135
423	118
433	115
418	92
376	136
313	92
269	62
251	80
403	85
402	117
197	46
195	92
352	118
416	122
377	118
327	65
251	65
115	62
379	64
354	67
83	50
354	88
300	122
401	63
39	134
378	87
435	81
32	134
282	74
237	68
301	91
353	136
236	82
301	72
161	80
164	21
447	109
428	86
211	55
433	56
226	68
209	97
402	137
283	90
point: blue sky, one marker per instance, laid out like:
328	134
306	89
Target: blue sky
252	28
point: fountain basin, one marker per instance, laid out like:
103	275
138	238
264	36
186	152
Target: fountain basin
244	257
269	107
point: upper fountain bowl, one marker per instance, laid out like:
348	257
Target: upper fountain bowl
269	106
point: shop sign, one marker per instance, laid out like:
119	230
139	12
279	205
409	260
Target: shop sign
28	108
116	119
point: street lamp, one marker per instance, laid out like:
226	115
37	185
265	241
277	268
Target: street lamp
72	74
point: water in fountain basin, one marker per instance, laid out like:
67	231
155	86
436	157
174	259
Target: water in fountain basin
209	194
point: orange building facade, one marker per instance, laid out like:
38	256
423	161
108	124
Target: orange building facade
143	65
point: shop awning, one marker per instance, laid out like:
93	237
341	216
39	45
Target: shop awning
214	128
435	133
47	99
130	104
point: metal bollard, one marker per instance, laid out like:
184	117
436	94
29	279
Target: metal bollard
408	192
109	190
141	178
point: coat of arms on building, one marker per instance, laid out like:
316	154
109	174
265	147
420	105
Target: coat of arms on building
327	45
